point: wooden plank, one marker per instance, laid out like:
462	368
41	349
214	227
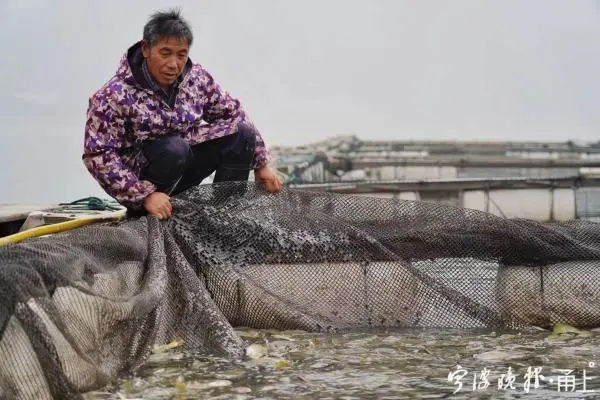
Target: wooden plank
359	162
448	184
16	212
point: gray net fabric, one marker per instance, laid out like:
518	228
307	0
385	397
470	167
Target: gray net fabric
80	308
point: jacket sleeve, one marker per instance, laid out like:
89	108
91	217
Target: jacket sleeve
104	129
223	113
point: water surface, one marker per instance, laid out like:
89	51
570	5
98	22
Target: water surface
401	364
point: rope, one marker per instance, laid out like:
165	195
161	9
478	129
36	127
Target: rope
93	203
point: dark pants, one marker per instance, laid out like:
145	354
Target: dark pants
174	165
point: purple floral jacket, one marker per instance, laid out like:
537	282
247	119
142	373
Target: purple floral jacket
126	110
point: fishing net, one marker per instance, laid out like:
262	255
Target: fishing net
80	308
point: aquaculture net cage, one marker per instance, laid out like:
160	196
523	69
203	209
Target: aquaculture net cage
79	308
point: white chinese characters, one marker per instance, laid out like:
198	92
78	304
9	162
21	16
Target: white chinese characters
532	379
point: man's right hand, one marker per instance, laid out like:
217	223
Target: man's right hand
159	205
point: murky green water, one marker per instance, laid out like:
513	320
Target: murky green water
408	364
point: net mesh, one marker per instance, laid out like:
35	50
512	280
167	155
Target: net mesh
80	308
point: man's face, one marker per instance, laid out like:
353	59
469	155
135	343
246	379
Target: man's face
166	59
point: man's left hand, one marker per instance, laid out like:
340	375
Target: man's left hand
267	177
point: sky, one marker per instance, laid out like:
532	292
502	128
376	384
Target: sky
306	70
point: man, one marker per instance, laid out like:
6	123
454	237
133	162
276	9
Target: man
162	124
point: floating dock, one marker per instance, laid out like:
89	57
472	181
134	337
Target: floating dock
13	216
18	218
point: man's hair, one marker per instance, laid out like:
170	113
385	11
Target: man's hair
167	24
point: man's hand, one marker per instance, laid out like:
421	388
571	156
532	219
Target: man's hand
159	205
267	177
